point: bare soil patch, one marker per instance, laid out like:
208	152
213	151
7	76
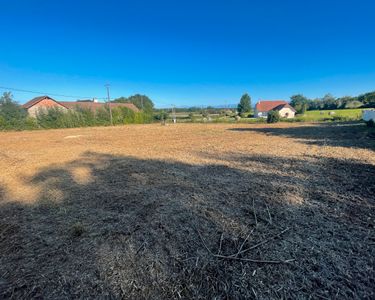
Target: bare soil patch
188	211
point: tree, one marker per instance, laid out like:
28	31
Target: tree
10	111
143	102
273	116
299	102
367	99
353	104
329	102
245	104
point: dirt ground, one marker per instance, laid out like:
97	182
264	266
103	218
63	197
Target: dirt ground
217	211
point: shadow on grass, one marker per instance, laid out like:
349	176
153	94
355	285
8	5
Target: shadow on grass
109	226
355	135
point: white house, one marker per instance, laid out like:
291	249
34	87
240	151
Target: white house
262	108
368	115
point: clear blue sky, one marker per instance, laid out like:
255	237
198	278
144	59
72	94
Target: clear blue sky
188	52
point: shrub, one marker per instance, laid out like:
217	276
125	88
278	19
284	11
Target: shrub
138	118
50	118
30	123
86	116
161	116
77	229
370	123
273	116
341	118
102	116
12	115
3	123
191	117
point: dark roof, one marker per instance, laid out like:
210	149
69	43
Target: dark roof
281	106
97	105
36	100
267	105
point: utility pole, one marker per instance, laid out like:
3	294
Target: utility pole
109	104
174	114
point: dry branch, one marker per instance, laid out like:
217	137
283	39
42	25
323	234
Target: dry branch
239	250
262	242
256	260
255	214
221	241
269	214
234	257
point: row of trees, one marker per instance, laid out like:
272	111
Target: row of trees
143	102
328	102
14	116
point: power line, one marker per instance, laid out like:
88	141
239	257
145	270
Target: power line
44	93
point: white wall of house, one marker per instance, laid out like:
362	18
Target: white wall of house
368	115
286	112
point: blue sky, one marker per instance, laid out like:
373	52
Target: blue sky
188	52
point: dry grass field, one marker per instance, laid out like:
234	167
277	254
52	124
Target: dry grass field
217	211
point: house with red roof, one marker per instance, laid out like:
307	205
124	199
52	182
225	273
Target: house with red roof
42	103
263	107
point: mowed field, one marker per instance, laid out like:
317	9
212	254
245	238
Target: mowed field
217	211
323	115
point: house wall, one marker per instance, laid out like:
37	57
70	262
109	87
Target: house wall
368	115
286	112
43	105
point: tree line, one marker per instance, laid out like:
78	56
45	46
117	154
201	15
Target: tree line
329	102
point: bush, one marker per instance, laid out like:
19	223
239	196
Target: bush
273	116
102	116
161	116
50	118
82	117
12	115
86	116
342	118
138	118
30	123
370	124
192	117
77	229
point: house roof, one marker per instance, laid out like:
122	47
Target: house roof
267	105
98	105
281	106
36	100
